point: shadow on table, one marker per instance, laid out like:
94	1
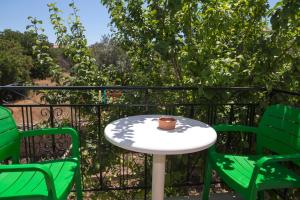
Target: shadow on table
124	133
123	129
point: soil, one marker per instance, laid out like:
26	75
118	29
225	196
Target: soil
33	98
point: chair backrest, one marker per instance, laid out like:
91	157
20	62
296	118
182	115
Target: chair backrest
9	136
279	130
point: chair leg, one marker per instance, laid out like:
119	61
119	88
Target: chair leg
78	186
261	195
253	195
207	180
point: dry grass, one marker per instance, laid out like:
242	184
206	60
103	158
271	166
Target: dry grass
32	98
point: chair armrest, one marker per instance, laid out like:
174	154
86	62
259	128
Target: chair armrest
235	128
232	128
57	131
277	158
270	159
33	168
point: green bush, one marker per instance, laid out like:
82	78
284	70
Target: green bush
14	65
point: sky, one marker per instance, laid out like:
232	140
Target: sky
94	16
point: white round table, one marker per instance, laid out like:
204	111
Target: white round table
141	134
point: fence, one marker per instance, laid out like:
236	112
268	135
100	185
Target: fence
120	174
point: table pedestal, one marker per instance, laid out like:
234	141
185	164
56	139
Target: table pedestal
158	177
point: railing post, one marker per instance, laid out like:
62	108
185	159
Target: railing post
146	101
270	97
146	176
52	125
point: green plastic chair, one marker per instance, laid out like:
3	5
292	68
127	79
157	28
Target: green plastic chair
249	175
44	180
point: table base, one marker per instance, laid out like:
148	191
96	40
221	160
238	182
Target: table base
158	177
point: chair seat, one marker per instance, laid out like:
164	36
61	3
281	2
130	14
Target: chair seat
31	185
238	170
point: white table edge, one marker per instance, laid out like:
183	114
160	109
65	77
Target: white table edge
163	152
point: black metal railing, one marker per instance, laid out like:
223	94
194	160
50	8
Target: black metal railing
123	174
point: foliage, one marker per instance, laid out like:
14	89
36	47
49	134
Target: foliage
285	37
15	60
60	58
112	61
26	39
14	65
84	71
44	63
219	43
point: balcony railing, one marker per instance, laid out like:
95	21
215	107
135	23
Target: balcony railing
123	174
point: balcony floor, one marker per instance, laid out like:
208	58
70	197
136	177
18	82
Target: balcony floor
212	197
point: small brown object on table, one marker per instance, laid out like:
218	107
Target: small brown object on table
166	123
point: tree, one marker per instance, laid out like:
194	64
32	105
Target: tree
43	62
112	60
27	40
285	36
83	70
60	58
210	43
14	65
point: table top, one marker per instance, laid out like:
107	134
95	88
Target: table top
141	134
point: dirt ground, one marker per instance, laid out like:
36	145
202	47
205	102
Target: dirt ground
33	98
